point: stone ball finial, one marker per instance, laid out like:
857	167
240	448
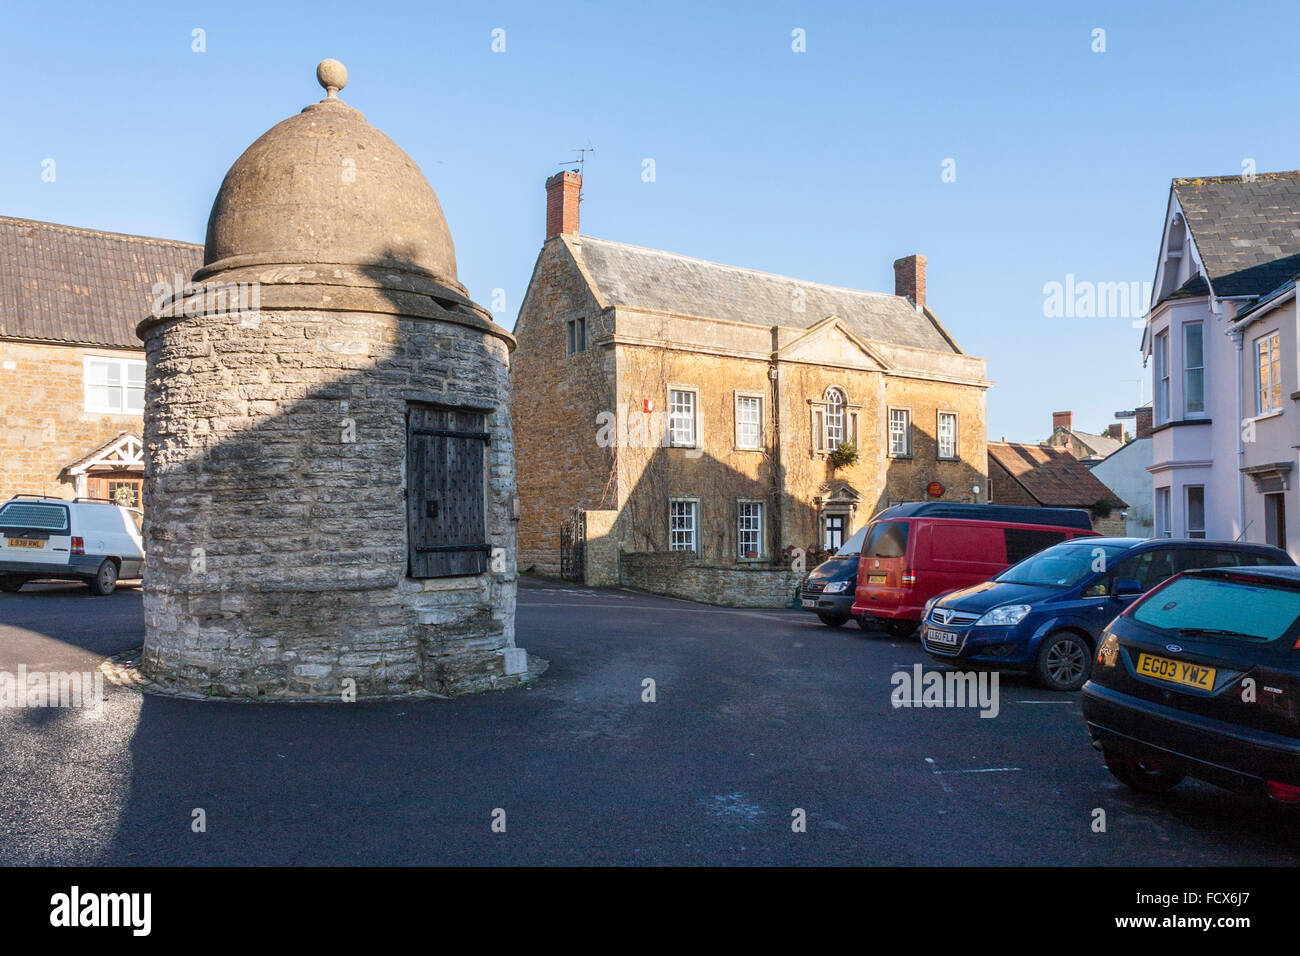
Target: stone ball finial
333	76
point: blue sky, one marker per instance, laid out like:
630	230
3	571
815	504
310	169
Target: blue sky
824	165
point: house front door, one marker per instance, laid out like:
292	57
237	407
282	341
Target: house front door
834	534
122	489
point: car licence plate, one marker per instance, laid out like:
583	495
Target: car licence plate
809	602
946	638
26	543
877	578
1176	672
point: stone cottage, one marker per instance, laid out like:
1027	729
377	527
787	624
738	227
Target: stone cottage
330	493
71	367
684	426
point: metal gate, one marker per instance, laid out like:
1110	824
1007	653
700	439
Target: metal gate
573	547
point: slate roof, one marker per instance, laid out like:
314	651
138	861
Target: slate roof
80	286
1102	445
1247	232
651	279
1054	477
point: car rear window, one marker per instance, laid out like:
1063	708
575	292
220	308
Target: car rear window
33	516
1221	607
888	539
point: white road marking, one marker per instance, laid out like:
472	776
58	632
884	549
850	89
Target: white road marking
937	775
984	770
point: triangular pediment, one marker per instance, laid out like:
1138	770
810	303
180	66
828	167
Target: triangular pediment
832	342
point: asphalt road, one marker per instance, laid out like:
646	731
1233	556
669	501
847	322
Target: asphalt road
757	714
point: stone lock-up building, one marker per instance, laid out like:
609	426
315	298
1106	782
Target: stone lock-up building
330	489
684	426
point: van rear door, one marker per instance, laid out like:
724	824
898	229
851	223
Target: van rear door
34	532
884	555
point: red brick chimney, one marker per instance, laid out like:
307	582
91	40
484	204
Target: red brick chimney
562	191
1063	420
909	278
1115	431
1143	425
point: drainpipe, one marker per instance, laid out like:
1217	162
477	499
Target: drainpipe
778	458
1238	341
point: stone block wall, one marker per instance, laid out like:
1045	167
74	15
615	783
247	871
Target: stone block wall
275	510
680	574
602	549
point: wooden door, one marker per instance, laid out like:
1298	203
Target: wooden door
446	491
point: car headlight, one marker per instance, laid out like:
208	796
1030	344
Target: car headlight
835	587
1004	616
929	606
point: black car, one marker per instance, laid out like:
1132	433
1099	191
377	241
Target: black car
828	589
1201	678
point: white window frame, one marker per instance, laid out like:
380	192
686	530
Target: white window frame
938	435
906	432
836	417
1163	513
689	540
1160	351
1187	510
756	532
124	366
1188	411
675	438
757	398
1264	392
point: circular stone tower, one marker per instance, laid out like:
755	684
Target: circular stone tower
329	496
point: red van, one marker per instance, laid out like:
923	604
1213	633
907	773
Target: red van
914	552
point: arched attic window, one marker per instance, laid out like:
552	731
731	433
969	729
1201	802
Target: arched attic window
834	421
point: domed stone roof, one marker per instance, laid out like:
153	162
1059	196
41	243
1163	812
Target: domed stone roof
325	187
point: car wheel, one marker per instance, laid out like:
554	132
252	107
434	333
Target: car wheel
1140	775
11	585
1064	661
105	579
833	620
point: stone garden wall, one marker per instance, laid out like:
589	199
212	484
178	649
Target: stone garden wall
680	574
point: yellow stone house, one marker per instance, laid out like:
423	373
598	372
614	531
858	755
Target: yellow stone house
689	427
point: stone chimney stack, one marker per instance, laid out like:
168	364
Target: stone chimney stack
1143	422
909	279
1063	420
562	192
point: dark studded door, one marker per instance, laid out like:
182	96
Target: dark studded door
446	491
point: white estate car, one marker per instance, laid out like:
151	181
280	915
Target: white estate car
81	540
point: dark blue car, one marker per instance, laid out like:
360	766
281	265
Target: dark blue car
1044	615
1200	678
